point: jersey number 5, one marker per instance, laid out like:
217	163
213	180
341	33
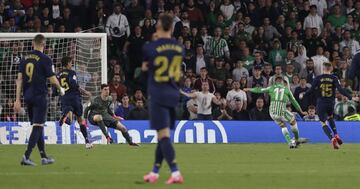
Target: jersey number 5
164	72
29	70
64	84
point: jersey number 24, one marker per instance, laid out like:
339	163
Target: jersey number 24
164	72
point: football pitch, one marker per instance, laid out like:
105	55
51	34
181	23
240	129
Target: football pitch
247	166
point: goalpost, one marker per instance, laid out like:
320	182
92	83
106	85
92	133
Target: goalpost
88	50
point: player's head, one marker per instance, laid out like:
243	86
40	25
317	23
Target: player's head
165	23
327	67
279	80
105	90
39	42
66	62
311	110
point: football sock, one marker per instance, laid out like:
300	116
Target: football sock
41	143
84	132
158	159
127	136
285	132
295	131
34	137
332	125
327	131
102	126
169	153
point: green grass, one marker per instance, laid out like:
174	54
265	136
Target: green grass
245	166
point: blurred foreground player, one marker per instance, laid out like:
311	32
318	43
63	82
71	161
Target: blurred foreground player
71	102
325	86
100	113
34	71
163	58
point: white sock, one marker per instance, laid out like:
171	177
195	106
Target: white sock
176	174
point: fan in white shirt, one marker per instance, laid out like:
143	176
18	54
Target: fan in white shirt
319	59
349	42
227	9
234	94
313	20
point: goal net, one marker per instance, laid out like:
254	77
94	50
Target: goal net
88	50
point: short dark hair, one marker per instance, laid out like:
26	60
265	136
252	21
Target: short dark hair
65	61
104	85
311	107
166	22
39	39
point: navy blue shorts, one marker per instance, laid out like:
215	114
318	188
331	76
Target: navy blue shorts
161	116
37	109
72	104
324	110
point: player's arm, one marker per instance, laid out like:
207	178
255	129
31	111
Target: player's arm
342	90
190	95
314	85
88	108
258	90
19	83
54	81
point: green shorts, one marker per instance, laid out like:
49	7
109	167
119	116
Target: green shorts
286	117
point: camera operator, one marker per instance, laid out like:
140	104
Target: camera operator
117	28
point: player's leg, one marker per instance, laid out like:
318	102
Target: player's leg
119	126
322	111
34	136
67	112
277	119
98	120
332	125
78	111
290	118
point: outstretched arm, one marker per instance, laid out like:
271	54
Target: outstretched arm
257	90
293	101
190	95
342	90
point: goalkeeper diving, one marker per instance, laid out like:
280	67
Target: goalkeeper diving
280	96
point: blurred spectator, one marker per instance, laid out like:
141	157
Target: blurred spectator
278	72
202	79
124	109
8	113
296	114
352	44
352	115
341	107
217	46
257	80
139	112
236	94
134	12
259	112
116	86
224	111
311	114
117	28
313	20
239	71
138	95
115	103
277	54
195	14
203	101
192	107
238	113
319	59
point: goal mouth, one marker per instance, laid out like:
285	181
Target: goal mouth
87	50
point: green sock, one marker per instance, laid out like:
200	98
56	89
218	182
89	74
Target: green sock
295	131
285	132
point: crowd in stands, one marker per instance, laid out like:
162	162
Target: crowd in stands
229	45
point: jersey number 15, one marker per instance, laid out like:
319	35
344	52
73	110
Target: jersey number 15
164	72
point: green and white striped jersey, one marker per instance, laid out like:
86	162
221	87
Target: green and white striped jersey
279	97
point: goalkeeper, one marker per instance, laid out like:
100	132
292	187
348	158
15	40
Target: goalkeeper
280	96
99	113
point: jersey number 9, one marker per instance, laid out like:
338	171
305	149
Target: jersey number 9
64	84
326	90
29	70
164	72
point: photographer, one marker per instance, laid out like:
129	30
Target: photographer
117	29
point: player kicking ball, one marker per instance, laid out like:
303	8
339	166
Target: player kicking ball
71	103
280	96
34	71
162	59
325	86
99	113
